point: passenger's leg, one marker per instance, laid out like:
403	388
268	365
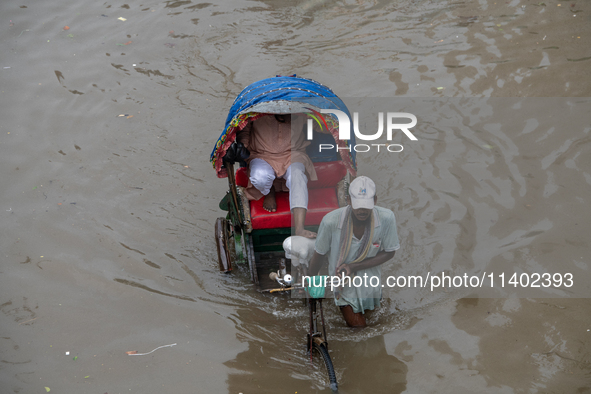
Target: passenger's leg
262	176
297	183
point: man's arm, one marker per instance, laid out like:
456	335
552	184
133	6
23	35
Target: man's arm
244	135
317	262
322	245
374	261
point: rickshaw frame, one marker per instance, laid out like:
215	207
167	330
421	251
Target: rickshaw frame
237	240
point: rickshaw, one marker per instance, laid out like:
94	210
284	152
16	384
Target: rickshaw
252	236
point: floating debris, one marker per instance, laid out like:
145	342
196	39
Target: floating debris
467	20
579	60
135	353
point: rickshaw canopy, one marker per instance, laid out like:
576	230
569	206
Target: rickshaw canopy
282	95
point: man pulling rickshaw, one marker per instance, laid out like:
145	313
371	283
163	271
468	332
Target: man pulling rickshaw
355	241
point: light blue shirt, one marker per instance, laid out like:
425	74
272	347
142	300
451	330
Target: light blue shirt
385	238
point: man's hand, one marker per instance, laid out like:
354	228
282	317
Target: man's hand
317	262
344	268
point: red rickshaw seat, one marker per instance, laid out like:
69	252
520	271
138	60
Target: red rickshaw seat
322	198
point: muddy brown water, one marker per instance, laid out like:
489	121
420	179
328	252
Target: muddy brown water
107	220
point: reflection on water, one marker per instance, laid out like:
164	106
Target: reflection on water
277	357
108	198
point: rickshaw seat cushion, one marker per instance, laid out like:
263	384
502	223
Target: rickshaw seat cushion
320	202
329	174
242	176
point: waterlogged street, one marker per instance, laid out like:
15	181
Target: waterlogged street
108	200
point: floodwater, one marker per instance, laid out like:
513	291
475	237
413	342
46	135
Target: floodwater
107	220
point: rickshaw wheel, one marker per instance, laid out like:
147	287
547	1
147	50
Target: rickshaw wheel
321	349
224	244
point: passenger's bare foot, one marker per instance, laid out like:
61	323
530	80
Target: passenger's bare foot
305	233
269	204
298	220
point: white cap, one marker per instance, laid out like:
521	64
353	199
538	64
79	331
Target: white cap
362	191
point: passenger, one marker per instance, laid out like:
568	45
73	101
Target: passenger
355	241
277	145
